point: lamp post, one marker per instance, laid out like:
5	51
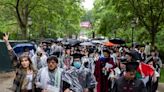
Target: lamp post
114	33
29	25
133	24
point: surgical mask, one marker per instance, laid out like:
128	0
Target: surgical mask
77	64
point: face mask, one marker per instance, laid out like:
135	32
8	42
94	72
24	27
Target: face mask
77	64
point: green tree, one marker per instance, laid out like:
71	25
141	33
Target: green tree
119	14
49	17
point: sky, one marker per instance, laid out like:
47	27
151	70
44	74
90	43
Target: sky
88	4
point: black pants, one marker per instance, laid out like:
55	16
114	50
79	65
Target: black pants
155	86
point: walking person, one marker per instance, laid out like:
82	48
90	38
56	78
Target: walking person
25	73
12	54
51	78
39	60
85	76
25	76
102	70
128	82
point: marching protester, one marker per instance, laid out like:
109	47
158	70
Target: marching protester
45	48
102	69
89	59
39	60
51	78
71	72
157	59
24	80
155	78
57	50
66	57
85	77
147	49
12	54
128	82
70	67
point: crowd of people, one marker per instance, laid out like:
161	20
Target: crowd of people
58	67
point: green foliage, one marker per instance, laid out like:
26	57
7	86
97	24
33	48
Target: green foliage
50	18
111	16
162	76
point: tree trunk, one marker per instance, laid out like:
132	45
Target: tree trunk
93	34
153	37
24	33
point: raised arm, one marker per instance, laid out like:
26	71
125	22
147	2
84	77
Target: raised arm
12	54
5	38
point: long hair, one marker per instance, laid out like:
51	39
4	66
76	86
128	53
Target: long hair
28	58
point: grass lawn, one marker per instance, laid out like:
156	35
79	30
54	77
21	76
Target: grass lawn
162	76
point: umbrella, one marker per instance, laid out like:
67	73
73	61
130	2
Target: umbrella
98	39
117	41
65	43
19	48
60	39
110	44
87	44
71	42
49	40
136	55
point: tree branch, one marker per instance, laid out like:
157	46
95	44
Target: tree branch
33	7
18	14
151	13
160	14
139	15
26	12
6	4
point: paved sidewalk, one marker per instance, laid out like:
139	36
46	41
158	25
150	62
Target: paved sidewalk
6	80
161	87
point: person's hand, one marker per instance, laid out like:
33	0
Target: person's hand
6	37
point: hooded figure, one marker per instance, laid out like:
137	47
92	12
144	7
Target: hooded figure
72	75
85	77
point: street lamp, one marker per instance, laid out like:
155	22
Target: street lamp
114	33
133	24
29	25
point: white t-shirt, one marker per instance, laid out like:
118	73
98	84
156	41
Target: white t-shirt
29	78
